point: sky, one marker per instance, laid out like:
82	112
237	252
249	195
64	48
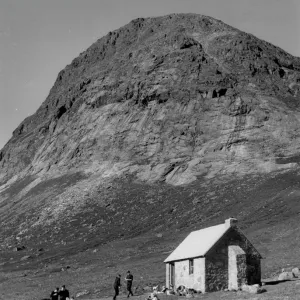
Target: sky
38	38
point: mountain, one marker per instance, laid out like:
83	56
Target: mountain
164	125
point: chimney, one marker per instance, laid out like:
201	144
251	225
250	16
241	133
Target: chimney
231	222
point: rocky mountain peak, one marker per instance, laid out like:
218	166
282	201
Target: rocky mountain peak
162	92
164	125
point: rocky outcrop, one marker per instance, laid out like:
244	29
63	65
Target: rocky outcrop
168	98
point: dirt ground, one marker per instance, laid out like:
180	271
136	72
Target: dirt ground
289	290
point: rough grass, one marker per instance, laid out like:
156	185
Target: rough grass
125	225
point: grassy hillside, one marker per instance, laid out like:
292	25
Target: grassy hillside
140	224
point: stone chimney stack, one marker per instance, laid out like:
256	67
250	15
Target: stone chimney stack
231	222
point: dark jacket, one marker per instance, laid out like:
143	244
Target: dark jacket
117	283
54	295
129	279
64	294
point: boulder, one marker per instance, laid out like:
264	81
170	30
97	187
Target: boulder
286	276
19	248
65	268
296	272
253	289
82	293
25	257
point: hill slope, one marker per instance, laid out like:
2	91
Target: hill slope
164	125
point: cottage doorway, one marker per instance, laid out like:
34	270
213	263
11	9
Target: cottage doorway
172	275
236	267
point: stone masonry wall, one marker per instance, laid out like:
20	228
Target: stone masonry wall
217	261
242	270
182	276
196	280
216	270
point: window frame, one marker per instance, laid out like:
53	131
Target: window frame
191	266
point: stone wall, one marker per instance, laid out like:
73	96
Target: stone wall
194	281
242	270
182	276
216	270
217	262
236	238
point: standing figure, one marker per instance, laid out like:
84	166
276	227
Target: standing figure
63	293
129	279
54	294
117	285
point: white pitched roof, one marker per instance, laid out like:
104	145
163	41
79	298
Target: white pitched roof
197	243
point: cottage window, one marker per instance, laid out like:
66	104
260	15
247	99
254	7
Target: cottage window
191	266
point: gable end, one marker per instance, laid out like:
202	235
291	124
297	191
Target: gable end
234	236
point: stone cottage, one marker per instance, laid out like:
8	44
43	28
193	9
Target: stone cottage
215	258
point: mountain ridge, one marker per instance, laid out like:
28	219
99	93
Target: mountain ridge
65	98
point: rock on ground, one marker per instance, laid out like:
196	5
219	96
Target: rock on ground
286	276
253	289
296	272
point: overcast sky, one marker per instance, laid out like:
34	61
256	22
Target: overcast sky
38	38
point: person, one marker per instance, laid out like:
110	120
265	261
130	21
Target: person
54	295
117	285
63	293
129	279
